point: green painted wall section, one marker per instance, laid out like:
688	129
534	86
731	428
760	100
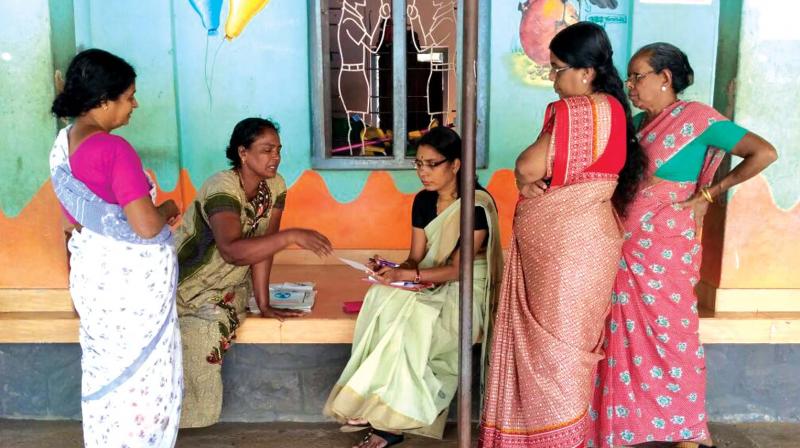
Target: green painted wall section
26	93
692	28
141	33
767	94
730	24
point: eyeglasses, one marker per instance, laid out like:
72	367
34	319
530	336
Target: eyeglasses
556	70
419	164
634	78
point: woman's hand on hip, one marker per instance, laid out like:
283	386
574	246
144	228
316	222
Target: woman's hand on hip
699	207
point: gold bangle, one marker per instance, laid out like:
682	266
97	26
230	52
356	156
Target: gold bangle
707	195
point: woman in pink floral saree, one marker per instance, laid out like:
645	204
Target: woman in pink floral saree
564	252
651	386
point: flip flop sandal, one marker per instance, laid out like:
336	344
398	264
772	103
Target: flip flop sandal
353	428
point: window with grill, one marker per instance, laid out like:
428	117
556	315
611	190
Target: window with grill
376	87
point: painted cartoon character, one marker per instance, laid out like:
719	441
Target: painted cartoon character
432	41
355	41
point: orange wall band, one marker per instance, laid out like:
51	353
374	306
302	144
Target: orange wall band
33	253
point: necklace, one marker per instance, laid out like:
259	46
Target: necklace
260	202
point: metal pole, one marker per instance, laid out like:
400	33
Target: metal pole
468	133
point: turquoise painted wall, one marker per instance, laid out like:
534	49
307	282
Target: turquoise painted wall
692	28
26	91
142	35
517	108
186	114
767	93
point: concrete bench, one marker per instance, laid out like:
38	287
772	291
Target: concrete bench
47	315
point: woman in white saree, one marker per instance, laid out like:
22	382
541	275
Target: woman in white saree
123	263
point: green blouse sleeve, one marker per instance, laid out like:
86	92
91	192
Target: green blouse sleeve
685	166
637	121
723	135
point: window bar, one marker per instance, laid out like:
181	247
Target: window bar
400	136
468	137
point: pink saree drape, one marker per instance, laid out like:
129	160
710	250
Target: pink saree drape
651	387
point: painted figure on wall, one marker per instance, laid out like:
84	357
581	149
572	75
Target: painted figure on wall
540	21
355	40
431	40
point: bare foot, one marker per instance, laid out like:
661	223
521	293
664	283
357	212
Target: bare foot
357	421
373	441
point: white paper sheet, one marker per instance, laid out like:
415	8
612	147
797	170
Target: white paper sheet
356	265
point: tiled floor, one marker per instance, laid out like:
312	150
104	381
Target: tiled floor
35	434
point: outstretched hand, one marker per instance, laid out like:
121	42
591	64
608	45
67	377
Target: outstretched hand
386	11
311	240
412	12
281	315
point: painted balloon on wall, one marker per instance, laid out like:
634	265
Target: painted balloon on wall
209	12
240	14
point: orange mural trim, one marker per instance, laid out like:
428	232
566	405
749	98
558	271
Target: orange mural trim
761	248
34	253
505	194
380	218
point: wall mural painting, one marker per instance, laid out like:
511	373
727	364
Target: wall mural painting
541	20
240	13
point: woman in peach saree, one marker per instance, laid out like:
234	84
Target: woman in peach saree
564	252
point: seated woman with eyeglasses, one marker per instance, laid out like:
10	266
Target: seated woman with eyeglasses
402	373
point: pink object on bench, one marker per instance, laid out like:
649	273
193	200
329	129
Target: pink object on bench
352	307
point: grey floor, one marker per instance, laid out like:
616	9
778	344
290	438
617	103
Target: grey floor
62	434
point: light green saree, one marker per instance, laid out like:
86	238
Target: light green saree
403	369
